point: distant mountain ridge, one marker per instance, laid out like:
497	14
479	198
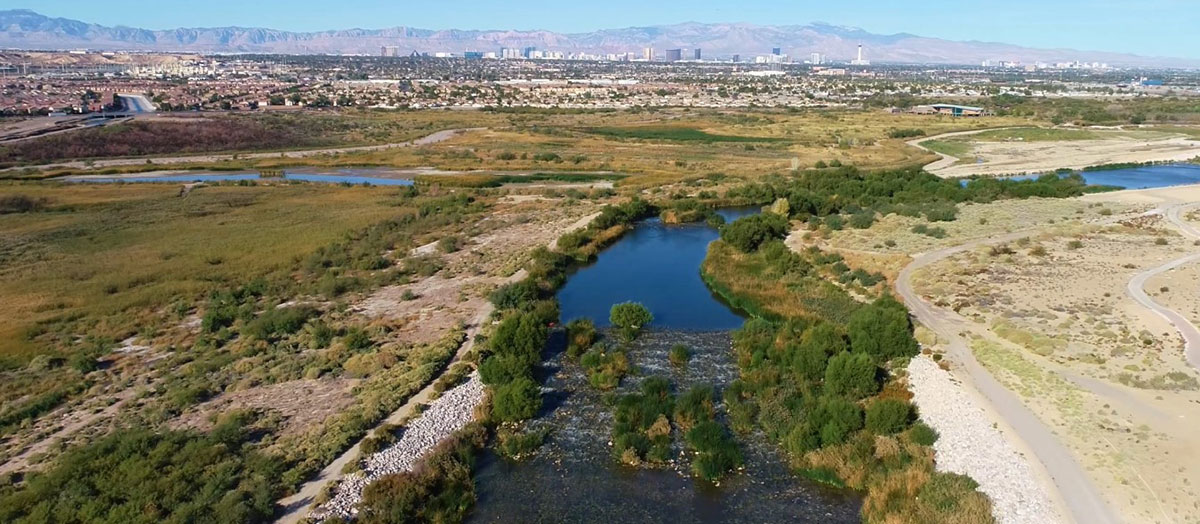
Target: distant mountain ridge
26	29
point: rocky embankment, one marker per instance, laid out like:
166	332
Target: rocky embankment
446	415
969	444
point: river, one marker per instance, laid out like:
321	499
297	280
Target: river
574	476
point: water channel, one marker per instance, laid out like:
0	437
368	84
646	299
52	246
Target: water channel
574	476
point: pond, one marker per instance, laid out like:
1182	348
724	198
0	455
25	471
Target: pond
1142	177
356	176
574	477
658	265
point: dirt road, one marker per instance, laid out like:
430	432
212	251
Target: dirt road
1137	288
212	158
295	507
1083	502
946	160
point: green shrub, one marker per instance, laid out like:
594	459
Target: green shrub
882	330
503	368
748	233
922	434
630	318
517	295
888	416
441	489
679	355
516	400
581	335
278	321
851	375
837	418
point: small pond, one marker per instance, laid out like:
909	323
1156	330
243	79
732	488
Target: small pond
356	176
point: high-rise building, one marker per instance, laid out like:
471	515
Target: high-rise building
816	59
648	54
737	58
777	51
674	55
860	61
528	52
696	54
510	52
389	50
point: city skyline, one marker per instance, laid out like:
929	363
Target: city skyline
1066	24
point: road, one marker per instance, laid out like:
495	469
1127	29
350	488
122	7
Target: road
296	506
1082	500
434	138
136	103
944	160
1137	288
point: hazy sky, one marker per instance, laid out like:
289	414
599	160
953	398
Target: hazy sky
1148	27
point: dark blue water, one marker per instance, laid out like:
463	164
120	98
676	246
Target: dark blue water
1145	177
354	176
657	265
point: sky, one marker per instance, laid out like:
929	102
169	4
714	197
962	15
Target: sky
1148	27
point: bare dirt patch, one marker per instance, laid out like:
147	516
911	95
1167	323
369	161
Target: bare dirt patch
300	404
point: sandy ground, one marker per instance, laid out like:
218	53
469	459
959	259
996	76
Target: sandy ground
1002	158
302	404
1107	374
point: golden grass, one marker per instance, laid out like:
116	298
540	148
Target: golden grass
116	253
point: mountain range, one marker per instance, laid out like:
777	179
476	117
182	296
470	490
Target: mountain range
28	30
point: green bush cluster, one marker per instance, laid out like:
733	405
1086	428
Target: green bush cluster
748	233
641	423
138	475
440	489
630	318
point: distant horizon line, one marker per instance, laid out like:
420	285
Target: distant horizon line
813	23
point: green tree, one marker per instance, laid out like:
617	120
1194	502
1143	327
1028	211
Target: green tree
816	345
889	415
630	317
837	418
748	233
882	330
516	400
851	375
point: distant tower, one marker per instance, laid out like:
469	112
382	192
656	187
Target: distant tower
648	54
860	61
697	54
674	55
778	51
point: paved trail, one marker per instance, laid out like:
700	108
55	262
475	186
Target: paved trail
945	160
1084	503
1137	288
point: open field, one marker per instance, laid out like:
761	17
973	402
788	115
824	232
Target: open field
694	143
1042	150
1048	315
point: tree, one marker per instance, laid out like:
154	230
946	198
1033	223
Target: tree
516	400
882	330
502	369
748	233
851	375
630	317
812	354
889	415
836	419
